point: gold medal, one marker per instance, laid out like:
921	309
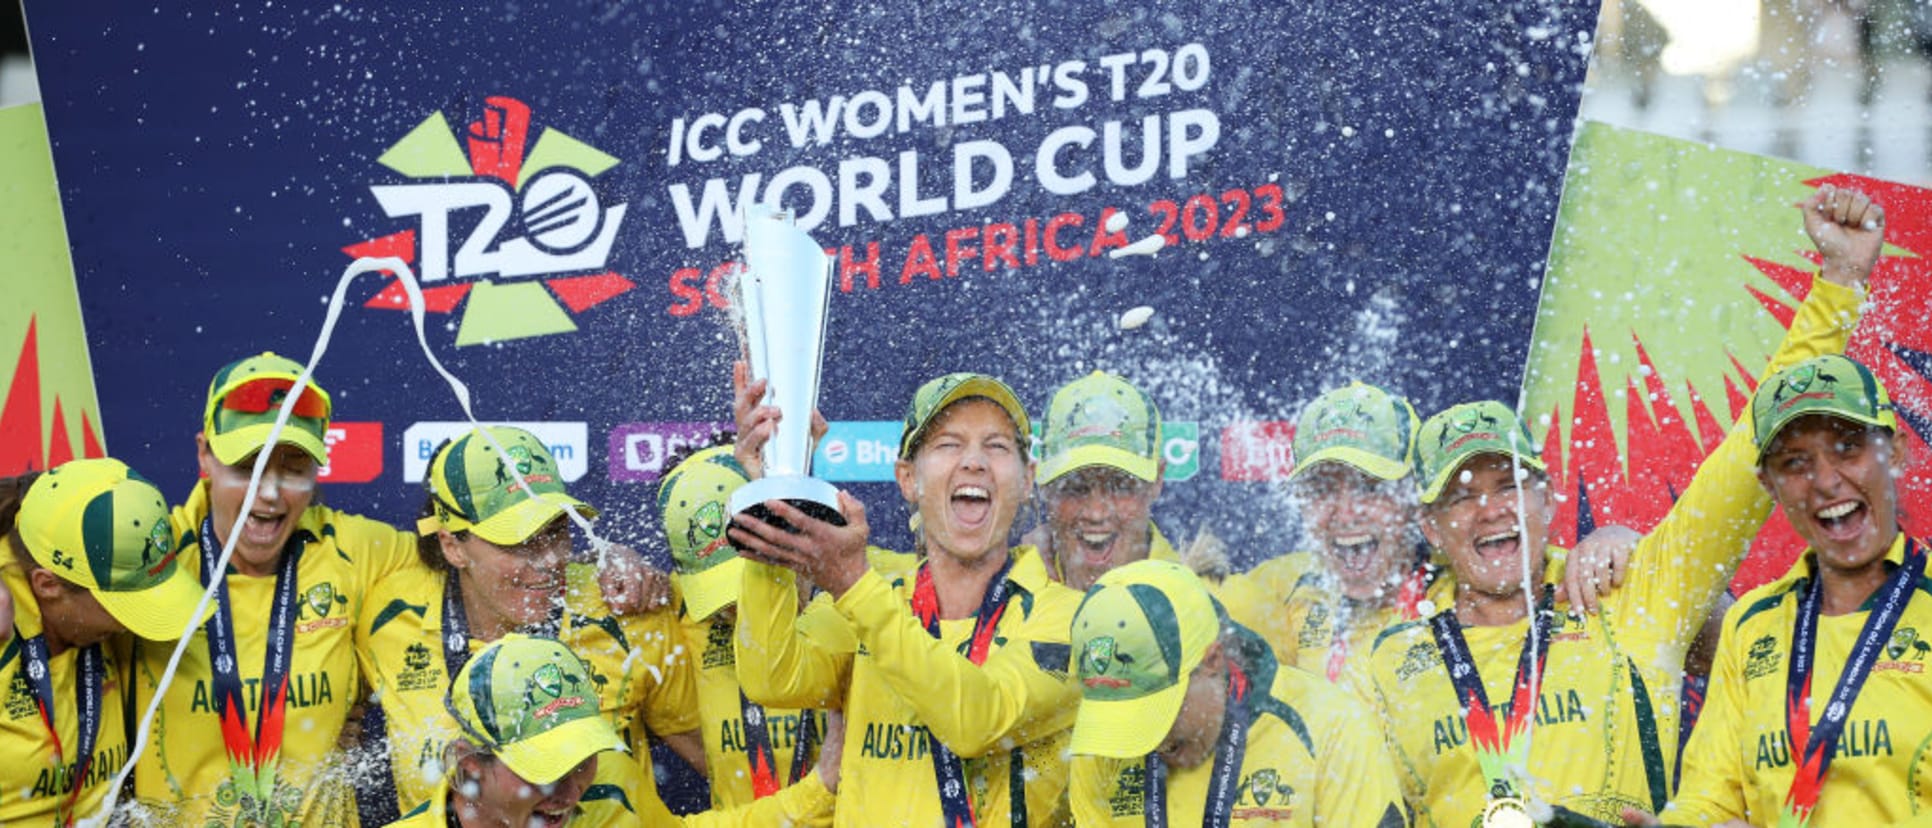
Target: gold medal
1506	812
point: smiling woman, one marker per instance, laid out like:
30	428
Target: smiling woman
1842	738
494	546
284	618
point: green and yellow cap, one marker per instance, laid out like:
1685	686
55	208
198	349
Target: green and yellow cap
693	502
1138	635
1101	420
97	524
1835	385
474	489
243	400
530	701
1359	425
1448	439
936	395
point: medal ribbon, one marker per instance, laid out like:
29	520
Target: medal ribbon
1224	781
252	757
456	626
1820	743
1496	749
87	704
947	768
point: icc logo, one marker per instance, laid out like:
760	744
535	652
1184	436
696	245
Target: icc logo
505	206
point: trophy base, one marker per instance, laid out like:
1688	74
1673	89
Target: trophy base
810	495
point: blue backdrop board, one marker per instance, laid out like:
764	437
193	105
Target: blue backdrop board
1339	190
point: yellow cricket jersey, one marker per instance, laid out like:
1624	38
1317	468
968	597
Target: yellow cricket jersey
33	790
719	704
1287	602
1606	718
1254	599
638	663
1314	757
184	775
1738	764
902	689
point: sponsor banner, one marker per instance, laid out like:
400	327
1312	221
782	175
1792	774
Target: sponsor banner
48	414
1181	450
355	452
1676	270
569	443
857	451
565	190
641	452
1257	451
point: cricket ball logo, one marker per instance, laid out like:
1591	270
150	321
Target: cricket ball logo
513	231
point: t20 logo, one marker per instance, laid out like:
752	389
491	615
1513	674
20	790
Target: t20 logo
504	208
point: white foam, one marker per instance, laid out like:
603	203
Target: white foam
1145	247
1136	317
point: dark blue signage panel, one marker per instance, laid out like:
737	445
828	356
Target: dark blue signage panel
1238	205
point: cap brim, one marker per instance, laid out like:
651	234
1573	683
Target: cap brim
711	590
978	386
1143	468
159	612
548	756
1126	728
1883	420
518	523
234	446
1368	462
1434	487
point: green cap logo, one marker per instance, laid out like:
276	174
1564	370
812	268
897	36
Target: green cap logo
1095	660
1466	422
1346	414
159	543
707	529
1799	380
547	680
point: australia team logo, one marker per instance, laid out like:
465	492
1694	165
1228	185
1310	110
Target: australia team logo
317	608
502	221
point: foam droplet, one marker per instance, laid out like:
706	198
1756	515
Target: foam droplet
1145	247
1136	317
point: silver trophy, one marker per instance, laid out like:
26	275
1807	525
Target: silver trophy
783	294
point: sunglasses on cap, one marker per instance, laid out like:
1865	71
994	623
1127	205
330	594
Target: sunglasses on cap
266	394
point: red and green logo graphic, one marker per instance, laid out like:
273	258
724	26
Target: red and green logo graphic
510	233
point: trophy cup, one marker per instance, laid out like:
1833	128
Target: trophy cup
783	293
